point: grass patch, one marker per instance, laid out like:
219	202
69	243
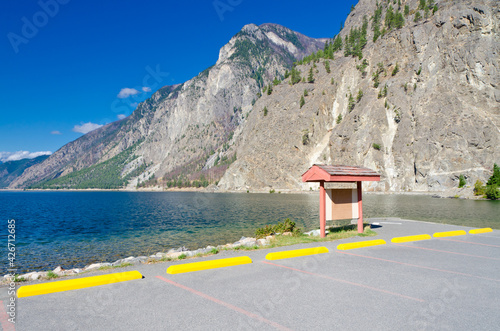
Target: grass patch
52	275
182	256
122	265
18	279
336	233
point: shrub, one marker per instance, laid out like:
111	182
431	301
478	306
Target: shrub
396	70
492	192
305	137
376	146
286	226
359	96
479	189
306	93
461	181
351	103
51	275
265	111
182	256
339	118
302	101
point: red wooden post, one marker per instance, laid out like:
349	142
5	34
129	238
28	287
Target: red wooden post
360	207
322	209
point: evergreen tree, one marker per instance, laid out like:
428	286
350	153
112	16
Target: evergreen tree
351	103
327	66
265	111
270	89
418	16
337	44
495	178
461	181
359	96
310	78
295	76
407	10
396	70
302	101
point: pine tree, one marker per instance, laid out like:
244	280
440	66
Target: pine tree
302	101
351	103
359	96
396	70
418	16
407	10
327	66
310	78
270	89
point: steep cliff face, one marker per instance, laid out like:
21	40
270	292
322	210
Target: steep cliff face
413	92
180	127
434	115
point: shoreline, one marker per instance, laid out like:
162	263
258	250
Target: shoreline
181	253
452	193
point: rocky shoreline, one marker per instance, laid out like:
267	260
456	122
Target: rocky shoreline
173	254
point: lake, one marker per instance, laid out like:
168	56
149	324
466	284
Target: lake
73	229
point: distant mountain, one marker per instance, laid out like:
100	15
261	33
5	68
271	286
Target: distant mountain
183	132
412	91
408	88
10	170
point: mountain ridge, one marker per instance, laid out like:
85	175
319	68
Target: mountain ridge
412	92
213	101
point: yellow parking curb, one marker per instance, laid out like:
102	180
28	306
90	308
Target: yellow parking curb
75	284
296	253
411	238
483	230
204	265
361	244
450	234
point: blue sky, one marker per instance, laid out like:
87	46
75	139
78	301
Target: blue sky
67	66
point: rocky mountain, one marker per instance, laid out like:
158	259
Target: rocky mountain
180	127
10	170
408	88
421	105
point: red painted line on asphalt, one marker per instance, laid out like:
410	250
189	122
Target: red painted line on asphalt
225	304
419	266
469	242
4	319
449	252
345	281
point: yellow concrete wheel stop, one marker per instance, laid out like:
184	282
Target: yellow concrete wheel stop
296	253
450	234
75	284
205	265
406	239
483	230
361	244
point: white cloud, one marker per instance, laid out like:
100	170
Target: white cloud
146	89
121	116
126	92
19	155
55	132
86	127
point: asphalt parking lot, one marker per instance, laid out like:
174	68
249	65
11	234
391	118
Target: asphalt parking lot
442	283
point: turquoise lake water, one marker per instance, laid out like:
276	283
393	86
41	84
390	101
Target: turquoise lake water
73	229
